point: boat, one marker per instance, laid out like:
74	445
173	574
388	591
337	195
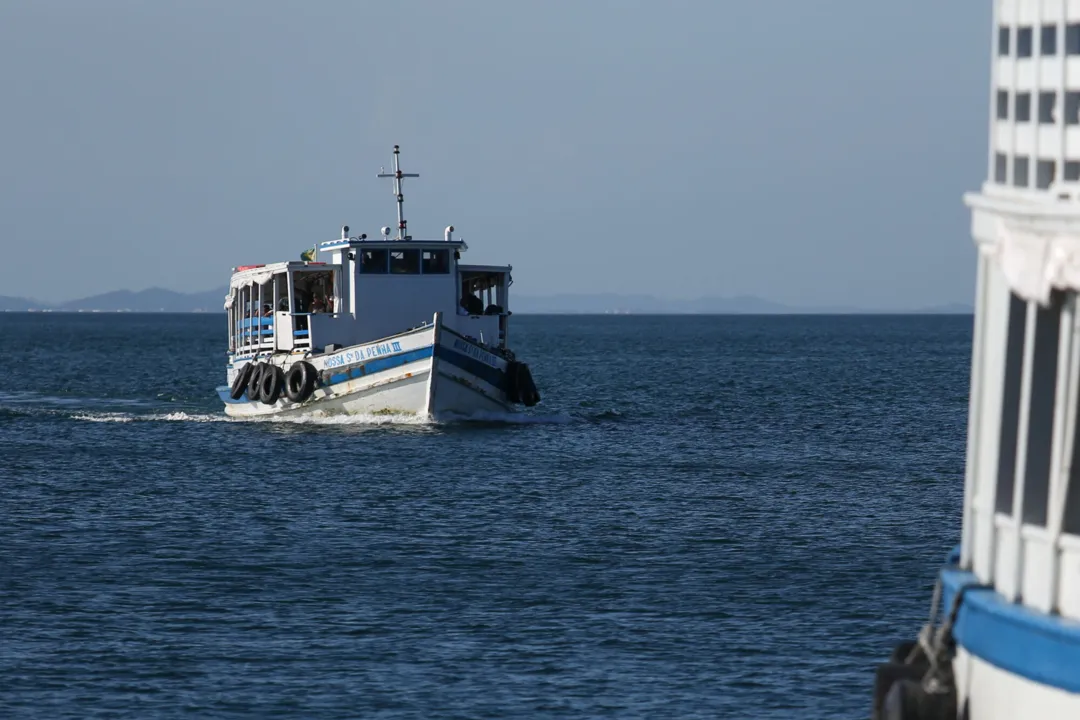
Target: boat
388	325
1003	637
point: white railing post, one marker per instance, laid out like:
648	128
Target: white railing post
1064	439
1020	471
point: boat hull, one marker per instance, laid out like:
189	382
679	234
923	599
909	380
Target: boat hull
430	371
1007	660
992	693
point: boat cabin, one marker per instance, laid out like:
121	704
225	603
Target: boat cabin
370	289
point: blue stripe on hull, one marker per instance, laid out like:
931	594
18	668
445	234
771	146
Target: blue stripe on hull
492	376
367	368
1042	648
379	365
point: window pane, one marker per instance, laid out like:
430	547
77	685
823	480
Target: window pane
1048	40
1047	101
436	262
1023	42
1003	41
405	262
1010	405
1040	429
1044	173
1072	39
1072	108
1023	107
1072	174
373	261
1002	104
1020	172
1001	168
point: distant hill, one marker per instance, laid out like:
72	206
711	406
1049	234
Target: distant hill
13	304
150	300
212	301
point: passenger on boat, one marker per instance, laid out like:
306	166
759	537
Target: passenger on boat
317	305
267	310
471	304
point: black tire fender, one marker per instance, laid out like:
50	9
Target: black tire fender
240	382
254	388
271	382
300	381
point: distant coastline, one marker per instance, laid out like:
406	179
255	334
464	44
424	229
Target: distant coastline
158	300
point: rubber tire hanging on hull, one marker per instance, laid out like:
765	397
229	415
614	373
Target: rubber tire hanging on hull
240	382
271	382
899	693
254	388
300	381
520	387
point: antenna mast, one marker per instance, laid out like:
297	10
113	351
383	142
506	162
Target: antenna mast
398	175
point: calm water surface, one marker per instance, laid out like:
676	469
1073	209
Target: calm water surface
706	517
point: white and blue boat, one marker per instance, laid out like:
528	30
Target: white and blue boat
1003	639
385	326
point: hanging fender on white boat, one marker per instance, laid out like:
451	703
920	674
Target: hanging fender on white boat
271	382
254	387
240	382
917	683
300	381
520	387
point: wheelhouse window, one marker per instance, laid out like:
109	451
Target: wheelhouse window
1048	40
405	262
373	261
1001	168
1023	107
1072	171
1020	172
1004	34
1044	173
1072	108
1047	103
435	262
1072	39
1023	42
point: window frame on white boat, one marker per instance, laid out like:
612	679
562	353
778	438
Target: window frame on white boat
1012	403
403	265
373	267
428	266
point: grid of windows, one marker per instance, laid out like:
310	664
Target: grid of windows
1048	40
1041	106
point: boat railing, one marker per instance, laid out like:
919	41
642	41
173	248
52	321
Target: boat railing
254	333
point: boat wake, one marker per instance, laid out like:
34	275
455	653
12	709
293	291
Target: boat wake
123	410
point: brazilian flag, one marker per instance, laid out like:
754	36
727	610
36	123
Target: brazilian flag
308	255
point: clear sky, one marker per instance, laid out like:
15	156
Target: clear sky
810	153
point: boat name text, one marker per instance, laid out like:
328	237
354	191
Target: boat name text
475	352
363	353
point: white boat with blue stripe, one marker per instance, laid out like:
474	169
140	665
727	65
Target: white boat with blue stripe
386	326
1003	640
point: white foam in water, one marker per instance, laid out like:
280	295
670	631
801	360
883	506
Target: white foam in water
320	418
103	417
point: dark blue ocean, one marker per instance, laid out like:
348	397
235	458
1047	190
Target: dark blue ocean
706	517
